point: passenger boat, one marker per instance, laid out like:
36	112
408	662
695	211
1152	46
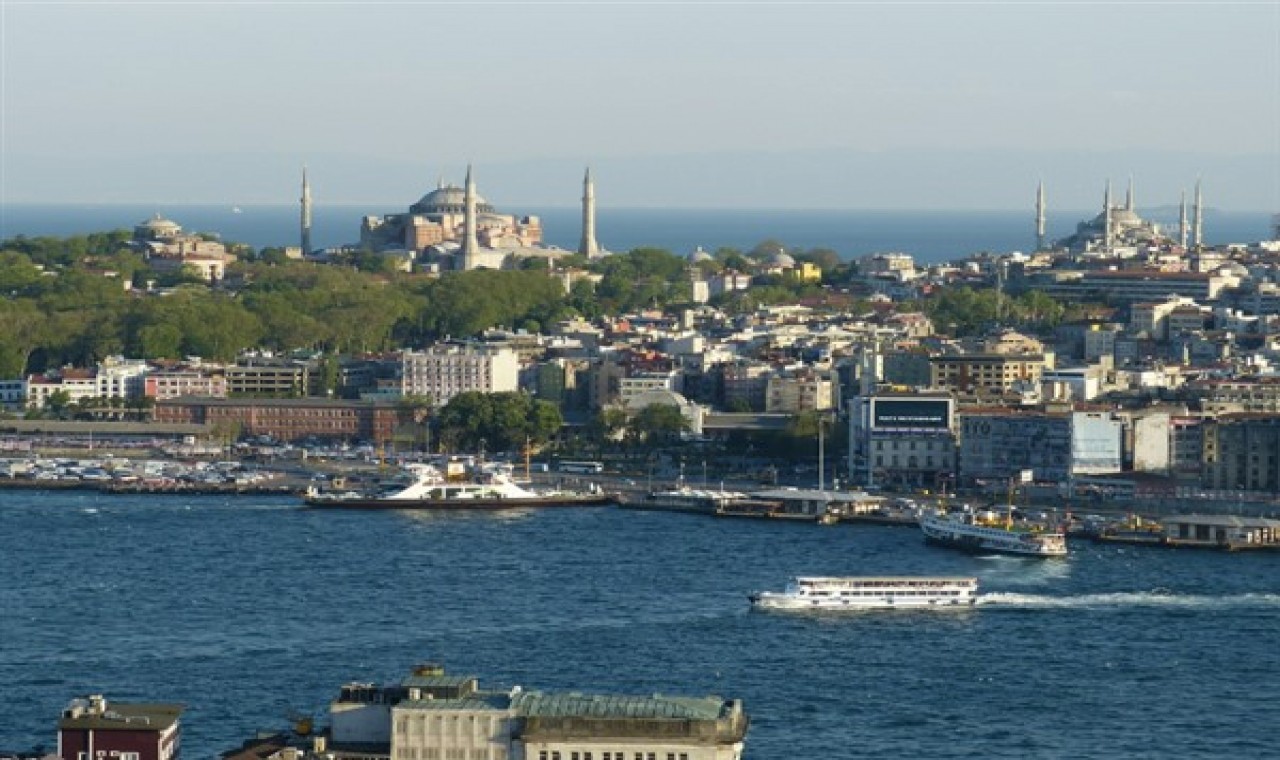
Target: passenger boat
988	534
868	593
427	489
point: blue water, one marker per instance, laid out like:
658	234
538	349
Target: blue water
932	236
245	609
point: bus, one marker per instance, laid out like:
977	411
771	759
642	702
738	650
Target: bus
585	468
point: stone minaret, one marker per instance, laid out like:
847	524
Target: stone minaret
470	245
1182	221
306	214
1040	209
1197	225
1107	227
1128	200
588	246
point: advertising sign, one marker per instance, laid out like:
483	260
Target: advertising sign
910	413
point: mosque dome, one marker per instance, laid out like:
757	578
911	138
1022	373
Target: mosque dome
782	261
156	228
448	199
1125	216
699	256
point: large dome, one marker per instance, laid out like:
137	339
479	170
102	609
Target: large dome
448	199
156	228
159	223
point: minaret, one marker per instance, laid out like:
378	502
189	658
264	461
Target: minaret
1197	226
1182	221
588	247
306	214
470	247
1106	216
1040	209
1128	201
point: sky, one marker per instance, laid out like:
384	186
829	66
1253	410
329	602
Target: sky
916	105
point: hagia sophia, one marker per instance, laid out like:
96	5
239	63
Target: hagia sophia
454	228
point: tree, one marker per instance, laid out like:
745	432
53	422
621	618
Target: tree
57	401
503	421
658	423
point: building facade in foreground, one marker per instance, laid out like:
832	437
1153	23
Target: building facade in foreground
434	716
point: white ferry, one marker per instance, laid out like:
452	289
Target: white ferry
972	533
868	593
427	488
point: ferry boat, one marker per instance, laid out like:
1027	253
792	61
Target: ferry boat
866	593
428	489
982	534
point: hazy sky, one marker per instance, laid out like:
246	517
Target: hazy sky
849	105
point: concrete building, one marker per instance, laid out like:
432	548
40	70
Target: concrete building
637	384
1131	285
800	391
1242	453
441	372
1099	343
190	381
903	439
997	445
745	385
93	729
986	372
13	393
434	716
1260	395
1071	383
266	375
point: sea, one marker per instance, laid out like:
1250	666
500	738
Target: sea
248	610
930	236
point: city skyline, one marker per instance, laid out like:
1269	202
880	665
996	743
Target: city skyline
709	105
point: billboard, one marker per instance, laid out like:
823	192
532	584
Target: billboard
915	413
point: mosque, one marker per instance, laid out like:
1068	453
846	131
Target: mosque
1119	231
454	228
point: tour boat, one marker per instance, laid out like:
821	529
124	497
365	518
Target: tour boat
866	593
983	534
428	489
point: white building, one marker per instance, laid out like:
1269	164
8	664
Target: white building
441	372
113	377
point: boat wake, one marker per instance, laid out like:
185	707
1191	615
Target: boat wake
1156	598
